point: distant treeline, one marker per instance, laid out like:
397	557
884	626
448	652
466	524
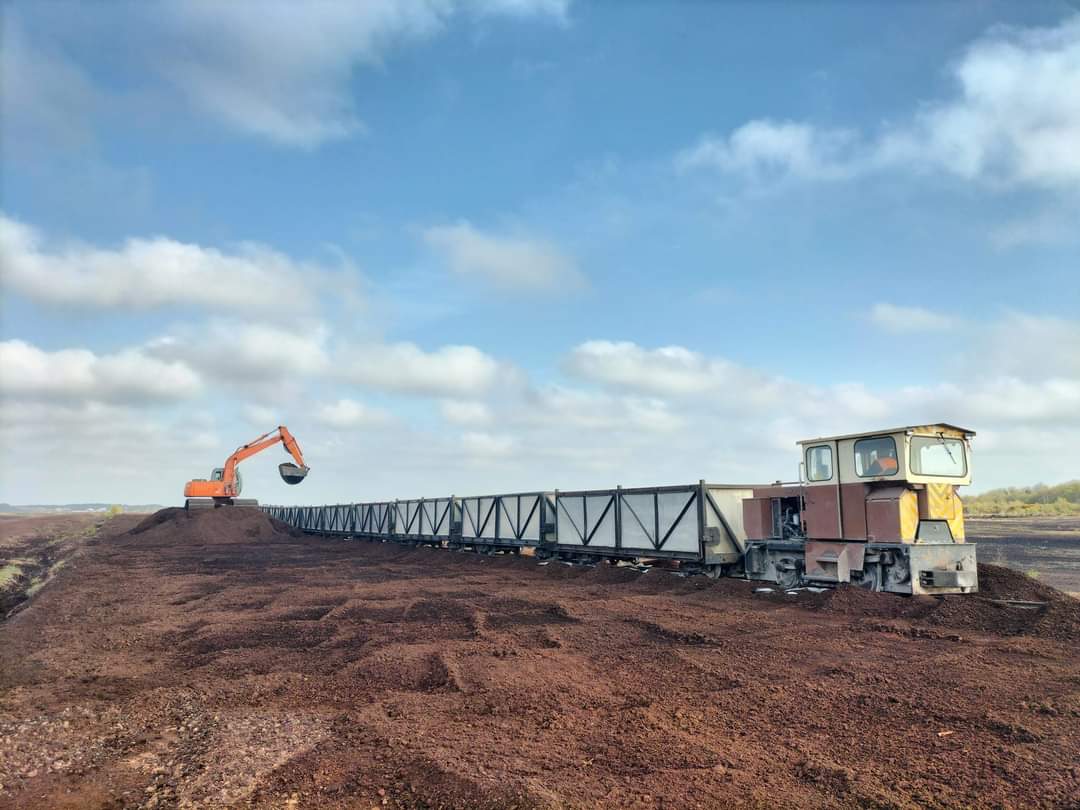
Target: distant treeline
1057	500
53	508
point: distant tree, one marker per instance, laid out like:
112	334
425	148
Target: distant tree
1056	500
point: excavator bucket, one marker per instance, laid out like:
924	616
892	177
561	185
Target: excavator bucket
291	473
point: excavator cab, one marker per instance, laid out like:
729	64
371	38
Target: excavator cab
219	475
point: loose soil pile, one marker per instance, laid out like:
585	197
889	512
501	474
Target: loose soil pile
222	659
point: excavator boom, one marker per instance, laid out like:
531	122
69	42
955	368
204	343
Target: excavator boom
224	486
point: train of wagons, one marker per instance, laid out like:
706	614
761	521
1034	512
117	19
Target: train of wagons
879	510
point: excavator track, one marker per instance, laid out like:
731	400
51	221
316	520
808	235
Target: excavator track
198	504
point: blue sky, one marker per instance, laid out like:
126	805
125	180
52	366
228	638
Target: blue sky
468	245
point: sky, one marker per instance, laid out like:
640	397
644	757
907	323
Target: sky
475	246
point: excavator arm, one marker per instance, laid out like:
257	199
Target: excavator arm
297	471
225	489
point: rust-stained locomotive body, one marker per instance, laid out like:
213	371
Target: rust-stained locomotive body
878	510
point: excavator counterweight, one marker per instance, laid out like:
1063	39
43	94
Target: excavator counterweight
224	485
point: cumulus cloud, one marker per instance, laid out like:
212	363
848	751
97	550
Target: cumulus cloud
246	354
260	415
666	371
770	148
454	371
274	69
235	351
465	412
1031	347
348	414
486	446
77	451
1016	115
151	273
997	400
79	374
504	260
673	373
1014	119
895	318
561	407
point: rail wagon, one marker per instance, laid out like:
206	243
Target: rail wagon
879	510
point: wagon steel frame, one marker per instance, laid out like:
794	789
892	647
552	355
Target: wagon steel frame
619	523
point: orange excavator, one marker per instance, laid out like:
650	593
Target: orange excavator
224	485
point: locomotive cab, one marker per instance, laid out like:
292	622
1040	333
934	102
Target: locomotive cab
878	509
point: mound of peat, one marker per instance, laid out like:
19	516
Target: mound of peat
988	611
223	526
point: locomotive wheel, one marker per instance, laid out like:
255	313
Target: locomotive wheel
871	578
789	578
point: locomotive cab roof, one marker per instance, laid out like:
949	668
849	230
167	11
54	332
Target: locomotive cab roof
935	429
915	454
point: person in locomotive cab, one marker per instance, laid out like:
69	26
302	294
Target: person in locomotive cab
884	461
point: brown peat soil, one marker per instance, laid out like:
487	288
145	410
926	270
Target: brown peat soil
223	660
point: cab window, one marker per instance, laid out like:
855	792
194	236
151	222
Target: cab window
819	463
876	457
936	455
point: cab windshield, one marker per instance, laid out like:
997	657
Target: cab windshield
937	455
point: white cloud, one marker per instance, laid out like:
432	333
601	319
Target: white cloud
675	372
1031	347
454	371
260	415
43	95
997	400
233	351
79	374
504	260
151	273
465	412
1014	119
561	408
247	354
899	319
768	148
666	371
346	414
273	69
1017	114
72	451
487	446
